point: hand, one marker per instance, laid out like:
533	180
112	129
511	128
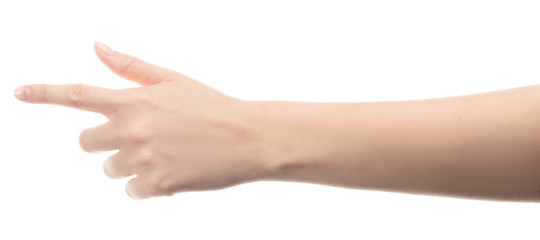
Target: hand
174	133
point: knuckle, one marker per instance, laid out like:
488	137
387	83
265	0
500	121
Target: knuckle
161	185
130	64
76	94
142	98
145	158
135	99
41	93
138	134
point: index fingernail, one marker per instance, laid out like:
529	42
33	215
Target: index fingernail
104	48
22	93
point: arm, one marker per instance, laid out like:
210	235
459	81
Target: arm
175	134
483	146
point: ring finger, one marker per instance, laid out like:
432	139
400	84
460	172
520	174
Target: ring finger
119	165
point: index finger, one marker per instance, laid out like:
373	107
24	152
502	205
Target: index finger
78	96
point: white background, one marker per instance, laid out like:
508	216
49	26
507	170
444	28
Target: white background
254	50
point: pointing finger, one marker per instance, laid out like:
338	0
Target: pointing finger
78	96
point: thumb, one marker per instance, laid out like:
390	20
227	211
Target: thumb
131	68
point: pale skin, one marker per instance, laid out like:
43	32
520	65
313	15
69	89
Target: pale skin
175	134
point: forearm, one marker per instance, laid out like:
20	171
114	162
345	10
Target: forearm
476	146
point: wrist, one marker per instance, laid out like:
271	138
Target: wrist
279	144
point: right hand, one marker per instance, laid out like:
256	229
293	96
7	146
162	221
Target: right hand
174	133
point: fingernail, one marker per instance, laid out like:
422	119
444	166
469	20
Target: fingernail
104	48
22	93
